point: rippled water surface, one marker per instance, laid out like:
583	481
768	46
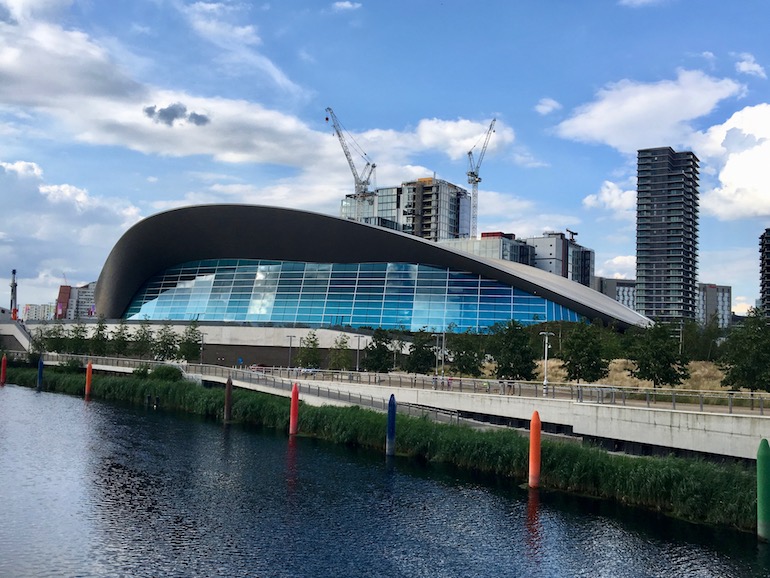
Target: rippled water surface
90	489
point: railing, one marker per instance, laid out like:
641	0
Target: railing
196	372
740	402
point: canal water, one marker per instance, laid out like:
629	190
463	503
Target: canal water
92	489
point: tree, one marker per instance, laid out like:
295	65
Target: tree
467	352
339	355
309	354
745	354
582	354
190	344
699	341
398	343
55	339
378	355
141	345
120	340
99	338
166	344
509	344
422	357
657	358
77	339
37	341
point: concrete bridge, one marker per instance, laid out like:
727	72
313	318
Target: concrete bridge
622	419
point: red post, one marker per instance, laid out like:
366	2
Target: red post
3	370
294	413
89	373
534	451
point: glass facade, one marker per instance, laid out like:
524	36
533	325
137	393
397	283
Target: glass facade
388	295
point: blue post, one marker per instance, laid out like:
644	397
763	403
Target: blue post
390	439
40	374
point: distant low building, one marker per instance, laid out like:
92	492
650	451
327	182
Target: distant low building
563	256
76	302
43	312
495	245
621	290
713	301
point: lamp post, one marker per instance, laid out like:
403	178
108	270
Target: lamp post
290	338
358	349
202	336
545	335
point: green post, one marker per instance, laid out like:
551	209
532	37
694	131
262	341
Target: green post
763	491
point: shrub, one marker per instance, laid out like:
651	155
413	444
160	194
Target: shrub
71	366
142	372
167	373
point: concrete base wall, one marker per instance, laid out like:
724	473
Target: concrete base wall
732	435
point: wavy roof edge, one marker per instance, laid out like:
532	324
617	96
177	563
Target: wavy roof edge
219	231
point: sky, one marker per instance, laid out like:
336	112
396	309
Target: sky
111	112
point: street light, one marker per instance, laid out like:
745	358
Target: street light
358	349
545	335
290	338
436	335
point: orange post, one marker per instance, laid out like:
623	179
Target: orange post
3	370
534	451
294	412
89	373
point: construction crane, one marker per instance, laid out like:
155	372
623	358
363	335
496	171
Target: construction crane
474	179
362	180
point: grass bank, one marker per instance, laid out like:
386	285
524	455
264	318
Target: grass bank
690	489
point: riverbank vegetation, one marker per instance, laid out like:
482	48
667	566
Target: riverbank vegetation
722	494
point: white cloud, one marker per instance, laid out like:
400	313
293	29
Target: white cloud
456	137
739	149
345	6
547	106
25	10
208	19
639	3
629	115
523	158
49	224
619	267
23	169
747	64
611	197
215	23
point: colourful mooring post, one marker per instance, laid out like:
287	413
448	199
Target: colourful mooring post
390	438
40	366
89	374
3	370
534	451
763	491
294	412
228	400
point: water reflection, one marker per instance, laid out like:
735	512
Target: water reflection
119	491
534	527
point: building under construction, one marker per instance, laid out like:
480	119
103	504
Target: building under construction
429	208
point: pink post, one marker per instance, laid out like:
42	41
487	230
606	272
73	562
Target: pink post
3	370
294	413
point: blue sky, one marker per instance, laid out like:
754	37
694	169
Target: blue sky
114	111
